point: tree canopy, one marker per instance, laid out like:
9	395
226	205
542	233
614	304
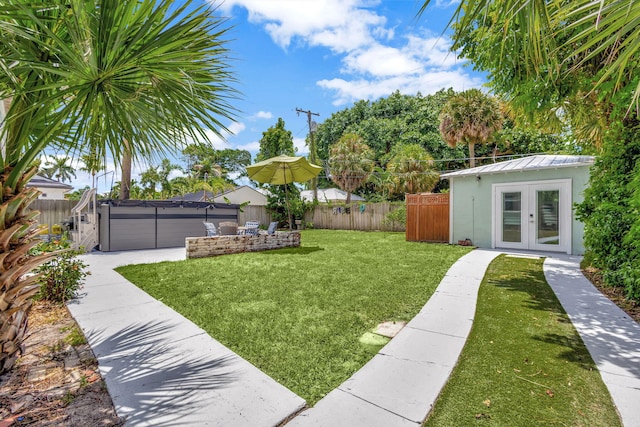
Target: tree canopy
350	163
561	64
275	141
471	118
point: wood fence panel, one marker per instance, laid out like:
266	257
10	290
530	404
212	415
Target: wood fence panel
427	218
254	213
356	216
53	211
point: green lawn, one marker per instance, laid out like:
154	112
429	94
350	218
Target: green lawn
298	314
524	364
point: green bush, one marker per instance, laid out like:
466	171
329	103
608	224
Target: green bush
611	207
61	277
395	217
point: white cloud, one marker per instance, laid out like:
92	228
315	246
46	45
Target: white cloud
443	4
301	147
379	60
221	142
340	25
432	51
252	147
347	91
262	115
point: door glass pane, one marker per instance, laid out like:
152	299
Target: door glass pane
548	218
511	217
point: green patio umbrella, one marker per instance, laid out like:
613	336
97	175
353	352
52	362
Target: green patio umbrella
283	170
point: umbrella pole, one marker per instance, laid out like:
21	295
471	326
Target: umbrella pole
286	200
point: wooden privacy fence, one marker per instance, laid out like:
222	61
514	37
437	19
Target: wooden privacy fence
53	212
254	213
427	218
355	216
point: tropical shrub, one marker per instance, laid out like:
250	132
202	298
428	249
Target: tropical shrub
61	277
610	210
395	217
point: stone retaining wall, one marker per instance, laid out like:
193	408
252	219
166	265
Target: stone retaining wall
200	247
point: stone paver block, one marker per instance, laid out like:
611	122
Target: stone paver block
390	329
423	346
404	387
339	408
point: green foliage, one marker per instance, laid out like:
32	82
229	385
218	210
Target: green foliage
76	194
278	200
87	76
275	141
204	159
395	120
610	209
58	168
350	163
400	120
395	217
158	176
61	277
412	170
75	337
562	65
470	118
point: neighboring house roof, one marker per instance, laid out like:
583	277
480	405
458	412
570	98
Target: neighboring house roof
329	195
529	163
44	182
203	195
198	196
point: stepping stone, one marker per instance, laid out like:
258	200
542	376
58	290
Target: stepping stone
389	329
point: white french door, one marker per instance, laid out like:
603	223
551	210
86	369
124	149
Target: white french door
533	215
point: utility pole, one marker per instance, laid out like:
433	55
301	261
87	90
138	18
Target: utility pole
313	156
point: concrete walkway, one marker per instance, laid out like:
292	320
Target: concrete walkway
161	369
400	384
611	336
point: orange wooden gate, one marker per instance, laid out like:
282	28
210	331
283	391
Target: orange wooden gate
427	218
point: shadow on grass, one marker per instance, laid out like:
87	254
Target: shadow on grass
575	353
152	379
541	297
303	250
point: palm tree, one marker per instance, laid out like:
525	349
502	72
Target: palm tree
470	117
95	73
92	164
59	168
579	55
350	163
412	170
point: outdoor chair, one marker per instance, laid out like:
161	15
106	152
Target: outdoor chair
211	228
272	227
251	228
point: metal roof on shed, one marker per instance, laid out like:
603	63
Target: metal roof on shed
529	163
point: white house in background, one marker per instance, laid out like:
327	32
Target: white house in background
237	196
329	195
50	189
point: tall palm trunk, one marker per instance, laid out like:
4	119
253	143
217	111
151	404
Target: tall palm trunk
18	231
472	154
125	183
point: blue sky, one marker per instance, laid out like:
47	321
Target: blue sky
323	55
